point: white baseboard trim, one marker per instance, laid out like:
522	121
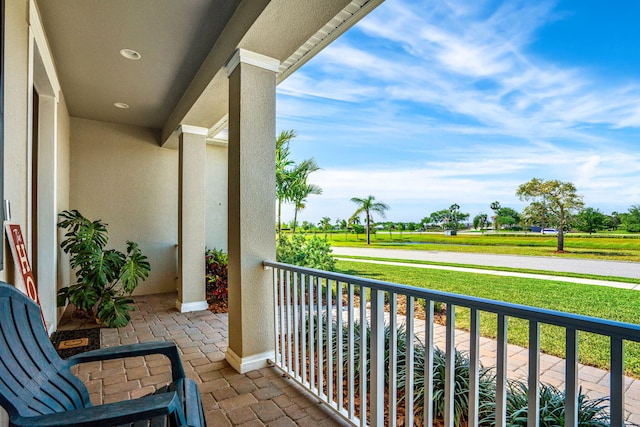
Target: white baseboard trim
250	363
191	306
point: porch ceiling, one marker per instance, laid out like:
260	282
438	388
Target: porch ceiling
184	45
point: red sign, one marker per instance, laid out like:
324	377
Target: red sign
20	257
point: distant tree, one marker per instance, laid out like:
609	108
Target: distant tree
560	198
438	218
495	207
411	226
590	220
537	213
389	226
480	222
631	220
401	226
325	225
612	222
455	217
507	217
368	206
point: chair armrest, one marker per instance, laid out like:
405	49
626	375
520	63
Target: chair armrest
167	348
110	414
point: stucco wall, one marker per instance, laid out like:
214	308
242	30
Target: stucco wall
15	125
63	152
15	119
216	188
119	174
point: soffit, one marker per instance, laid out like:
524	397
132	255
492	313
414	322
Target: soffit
184	45
173	37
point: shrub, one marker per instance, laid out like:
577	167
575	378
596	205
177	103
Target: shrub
462	365
217	275
591	412
313	253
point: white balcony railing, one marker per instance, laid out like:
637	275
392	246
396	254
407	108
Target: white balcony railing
320	336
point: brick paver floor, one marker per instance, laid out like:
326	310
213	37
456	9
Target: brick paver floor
265	397
258	398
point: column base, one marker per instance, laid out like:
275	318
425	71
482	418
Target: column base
191	306
250	363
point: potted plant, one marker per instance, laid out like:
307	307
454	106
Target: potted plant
106	278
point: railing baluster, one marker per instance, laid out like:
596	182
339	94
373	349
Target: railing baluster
571	379
276	320
474	368
617	385
533	415
501	372
363	356
428	364
351	351
304	318
410	368
320	333
377	358
296	327
450	366
393	358
288	320
311	333
329	345
282	323
339	349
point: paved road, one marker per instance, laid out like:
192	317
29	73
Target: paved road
566	265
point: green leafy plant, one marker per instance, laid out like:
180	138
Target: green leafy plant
313	253
217	275
591	412
105	278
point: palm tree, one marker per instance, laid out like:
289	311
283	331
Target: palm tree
283	169
291	179
299	194
367	206
495	207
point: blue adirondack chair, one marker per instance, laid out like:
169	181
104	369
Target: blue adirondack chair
37	387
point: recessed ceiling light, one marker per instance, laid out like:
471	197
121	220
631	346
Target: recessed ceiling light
130	54
121	105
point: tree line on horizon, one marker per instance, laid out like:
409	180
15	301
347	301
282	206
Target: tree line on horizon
552	204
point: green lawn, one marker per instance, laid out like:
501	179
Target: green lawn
623	247
597	301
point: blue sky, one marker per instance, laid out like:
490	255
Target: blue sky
424	104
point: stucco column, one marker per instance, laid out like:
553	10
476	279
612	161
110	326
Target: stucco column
251	237
191	218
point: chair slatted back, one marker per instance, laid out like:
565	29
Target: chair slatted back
34	380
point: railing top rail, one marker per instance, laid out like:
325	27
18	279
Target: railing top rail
625	331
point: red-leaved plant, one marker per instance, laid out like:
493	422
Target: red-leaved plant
216	275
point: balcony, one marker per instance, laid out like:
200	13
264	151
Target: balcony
292	392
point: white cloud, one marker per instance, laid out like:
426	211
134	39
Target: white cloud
456	87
